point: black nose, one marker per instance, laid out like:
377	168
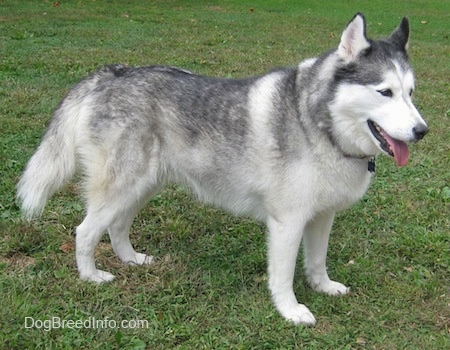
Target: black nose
420	131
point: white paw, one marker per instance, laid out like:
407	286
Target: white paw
98	276
331	288
299	314
140	259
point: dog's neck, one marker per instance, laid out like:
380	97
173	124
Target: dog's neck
370	161
370	158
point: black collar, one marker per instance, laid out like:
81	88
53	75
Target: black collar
370	161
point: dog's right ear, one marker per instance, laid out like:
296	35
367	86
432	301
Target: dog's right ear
353	39
400	36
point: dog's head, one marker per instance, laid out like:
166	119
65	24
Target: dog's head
372	109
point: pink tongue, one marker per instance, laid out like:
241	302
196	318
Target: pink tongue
400	149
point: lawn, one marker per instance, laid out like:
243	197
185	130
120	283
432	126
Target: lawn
208	289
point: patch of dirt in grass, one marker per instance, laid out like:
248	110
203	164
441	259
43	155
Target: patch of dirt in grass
18	262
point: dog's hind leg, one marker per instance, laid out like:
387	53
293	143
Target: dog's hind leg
115	214
89	233
315	242
120	240
118	182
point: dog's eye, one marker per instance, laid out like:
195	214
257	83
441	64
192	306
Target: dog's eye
411	92
386	92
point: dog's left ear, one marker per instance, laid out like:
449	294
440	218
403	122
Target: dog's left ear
353	39
400	36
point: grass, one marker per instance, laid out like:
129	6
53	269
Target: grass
208	289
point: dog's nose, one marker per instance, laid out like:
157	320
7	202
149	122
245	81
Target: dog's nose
420	131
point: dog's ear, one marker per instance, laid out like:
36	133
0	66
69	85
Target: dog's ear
353	39
400	36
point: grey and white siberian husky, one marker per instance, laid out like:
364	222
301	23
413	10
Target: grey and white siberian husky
291	148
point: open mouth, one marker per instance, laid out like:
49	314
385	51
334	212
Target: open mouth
392	147
379	133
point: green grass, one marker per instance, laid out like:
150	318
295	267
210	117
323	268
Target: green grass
208	289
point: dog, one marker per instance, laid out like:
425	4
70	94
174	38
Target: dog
291	148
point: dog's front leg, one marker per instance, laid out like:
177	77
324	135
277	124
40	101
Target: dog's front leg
283	244
315	241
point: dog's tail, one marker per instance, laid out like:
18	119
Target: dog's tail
53	164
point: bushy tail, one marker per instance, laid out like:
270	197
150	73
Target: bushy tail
51	166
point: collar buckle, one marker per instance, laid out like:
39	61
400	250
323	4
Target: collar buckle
371	165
